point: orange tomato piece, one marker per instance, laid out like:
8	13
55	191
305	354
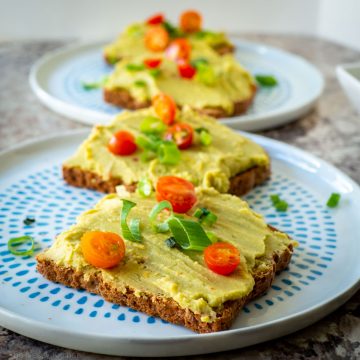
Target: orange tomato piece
157	38
178	191
222	258
190	21
102	249
165	108
179	49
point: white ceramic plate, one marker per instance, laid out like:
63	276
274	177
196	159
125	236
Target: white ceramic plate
57	80
323	273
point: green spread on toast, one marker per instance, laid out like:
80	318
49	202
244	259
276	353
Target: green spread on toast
152	267
210	166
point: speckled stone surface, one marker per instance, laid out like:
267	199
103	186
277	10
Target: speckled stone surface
331	131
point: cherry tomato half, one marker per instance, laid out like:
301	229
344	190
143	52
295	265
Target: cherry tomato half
182	134
165	108
122	143
190	21
152	63
156	19
156	38
179	192
222	258
102	249
179	49
185	69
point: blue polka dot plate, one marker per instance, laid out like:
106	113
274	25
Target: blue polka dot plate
323	274
57	81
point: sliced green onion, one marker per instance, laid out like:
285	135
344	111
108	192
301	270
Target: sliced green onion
168	153
198	62
154	72
147	155
279	204
135	67
140	83
29	221
205	138
205	74
15	242
266	80
147	143
155	211
333	200
198	213
152	125
205	216
95	84
171	29
170	242
202	34
144	187
188	234
213	238
132	232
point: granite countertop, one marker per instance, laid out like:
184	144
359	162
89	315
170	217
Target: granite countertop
331	131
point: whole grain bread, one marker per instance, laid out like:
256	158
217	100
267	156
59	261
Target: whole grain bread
240	184
166	308
122	98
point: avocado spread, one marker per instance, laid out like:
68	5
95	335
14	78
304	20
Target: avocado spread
152	267
210	166
130	43
220	81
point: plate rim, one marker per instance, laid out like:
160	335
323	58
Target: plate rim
268	120
325	307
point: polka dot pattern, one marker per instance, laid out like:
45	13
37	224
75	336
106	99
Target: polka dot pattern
55	205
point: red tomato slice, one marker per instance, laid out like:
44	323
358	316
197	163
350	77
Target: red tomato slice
102	249
156	38
179	49
122	143
190	21
156	19
152	63
182	134
179	192
165	108
186	70
222	258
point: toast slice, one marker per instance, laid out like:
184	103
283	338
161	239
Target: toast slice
173	284
231	163
221	87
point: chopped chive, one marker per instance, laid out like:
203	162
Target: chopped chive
154	72
29	220
333	200
266	80
279	204
135	67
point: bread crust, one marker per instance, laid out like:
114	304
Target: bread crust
240	184
160	306
122	98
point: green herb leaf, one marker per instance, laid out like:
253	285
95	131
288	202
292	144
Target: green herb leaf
156	210
266	80
154	72
172	30
188	234
152	125
144	187
29	221
168	153
196	63
140	83
15	242
333	200
135	67
132	232
279	204
95	85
